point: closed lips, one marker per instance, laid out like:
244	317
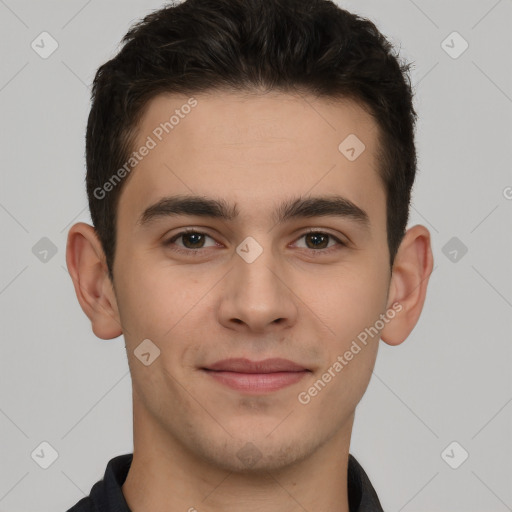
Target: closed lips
243	365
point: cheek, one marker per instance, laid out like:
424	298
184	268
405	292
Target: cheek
349	307
349	301
153	300
158	305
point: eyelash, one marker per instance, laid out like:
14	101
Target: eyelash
195	252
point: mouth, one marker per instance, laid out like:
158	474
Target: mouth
256	376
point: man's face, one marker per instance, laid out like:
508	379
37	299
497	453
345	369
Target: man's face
304	297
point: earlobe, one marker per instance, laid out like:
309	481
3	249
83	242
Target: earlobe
85	260
411	272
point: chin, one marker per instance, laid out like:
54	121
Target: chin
258	454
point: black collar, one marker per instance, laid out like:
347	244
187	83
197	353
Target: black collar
107	495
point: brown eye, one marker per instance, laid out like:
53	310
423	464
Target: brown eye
318	241
191	242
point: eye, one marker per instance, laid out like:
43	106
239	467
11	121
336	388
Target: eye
318	241
191	241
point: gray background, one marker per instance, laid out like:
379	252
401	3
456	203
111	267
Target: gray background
450	381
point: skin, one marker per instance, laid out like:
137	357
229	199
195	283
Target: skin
293	301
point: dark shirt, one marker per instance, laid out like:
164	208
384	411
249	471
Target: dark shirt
107	496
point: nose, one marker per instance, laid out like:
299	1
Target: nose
256	295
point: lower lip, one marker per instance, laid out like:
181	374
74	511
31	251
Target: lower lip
257	382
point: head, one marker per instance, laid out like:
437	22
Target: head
273	114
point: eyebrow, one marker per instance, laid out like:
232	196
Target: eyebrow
322	206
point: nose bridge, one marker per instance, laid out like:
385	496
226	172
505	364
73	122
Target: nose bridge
256	274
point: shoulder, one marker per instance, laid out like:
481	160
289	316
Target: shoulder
106	495
84	505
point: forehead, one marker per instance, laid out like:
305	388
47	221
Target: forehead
253	149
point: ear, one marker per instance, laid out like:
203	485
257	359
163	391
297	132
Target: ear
86	264
408	287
